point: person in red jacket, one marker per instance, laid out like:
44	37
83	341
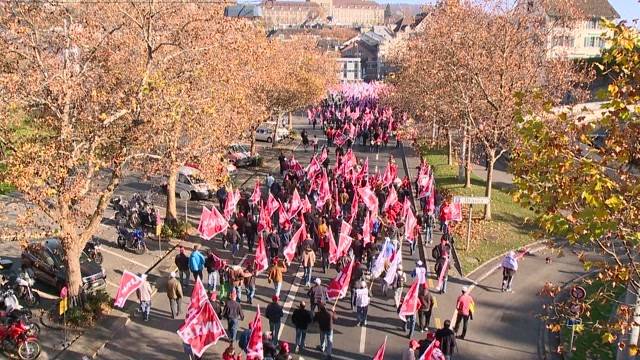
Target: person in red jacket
464	307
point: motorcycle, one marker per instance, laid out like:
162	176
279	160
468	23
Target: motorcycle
15	338
13	311
132	240
23	291
92	249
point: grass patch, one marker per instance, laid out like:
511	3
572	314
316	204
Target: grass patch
510	228
588	343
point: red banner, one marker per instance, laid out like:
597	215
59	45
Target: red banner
366	230
213	224
272	204
433	352
410	224
264	220
261	260
254	347
324	193
369	198
443	272
257	194
333	249
230	204
392	199
202	330
338	287
198	297
410	303
295	204
129	282
300	235
380	353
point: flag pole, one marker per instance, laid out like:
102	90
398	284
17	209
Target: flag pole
335	303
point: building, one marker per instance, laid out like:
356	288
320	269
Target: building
366	47
582	40
350	69
351	13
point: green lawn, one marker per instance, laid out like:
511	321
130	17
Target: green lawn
511	227
588	343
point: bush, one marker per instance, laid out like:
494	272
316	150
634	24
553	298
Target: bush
178	229
78	317
96	305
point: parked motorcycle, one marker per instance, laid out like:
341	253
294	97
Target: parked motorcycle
138	211
24	292
15	339
132	240
92	249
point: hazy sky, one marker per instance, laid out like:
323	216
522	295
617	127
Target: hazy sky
628	9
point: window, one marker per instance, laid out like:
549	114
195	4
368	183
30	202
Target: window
594	41
566	41
593	24
344	70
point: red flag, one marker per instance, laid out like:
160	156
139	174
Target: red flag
213	225
306	205
254	347
392	198
380	353
431	202
230	204
295	204
453	211
313	168
198	297
433	352
202	330
410	224
364	171
387	177
300	235
406	206
366	230
410	303
338	287
323	156
283	216
272	205
339	138
129	282
257	194
443	272
324	193
264	220
354	207
333	249
203	218
261	261
369	198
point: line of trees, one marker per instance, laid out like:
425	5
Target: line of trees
89	89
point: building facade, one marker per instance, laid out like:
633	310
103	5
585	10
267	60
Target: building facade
351	13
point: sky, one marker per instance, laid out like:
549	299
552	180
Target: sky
628	9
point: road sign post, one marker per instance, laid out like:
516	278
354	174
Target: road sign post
573	322
471	200
469	227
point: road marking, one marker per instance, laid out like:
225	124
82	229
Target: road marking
363	336
437	323
291	296
112	284
123	257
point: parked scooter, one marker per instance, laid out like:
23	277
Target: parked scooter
131	240
92	249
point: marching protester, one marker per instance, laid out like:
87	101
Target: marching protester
308	260
425	308
325	319
182	262
196	262
301	319
509	268
276	275
234	314
447	339
144	297
317	294
274	313
410	352
362	303
464	306
174	293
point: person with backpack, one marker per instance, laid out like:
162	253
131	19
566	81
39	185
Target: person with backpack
398	285
509	268
441	254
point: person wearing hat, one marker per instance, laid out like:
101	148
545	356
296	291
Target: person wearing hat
276	274
509	268
464	305
317	294
398	285
284	353
174	293
234	314
182	262
269	350
362	303
420	272
410	352
215	303
144	296
424	343
274	313
301	319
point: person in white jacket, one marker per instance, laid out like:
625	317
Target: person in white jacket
144	296
509	268
362	303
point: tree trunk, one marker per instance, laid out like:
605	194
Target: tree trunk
489	185
433	133
172	212
275	132
467	169
290	122
74	275
449	147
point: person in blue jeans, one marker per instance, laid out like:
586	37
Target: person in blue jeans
196	262
234	314
325	319
274	313
301	319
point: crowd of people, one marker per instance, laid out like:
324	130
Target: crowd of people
349	219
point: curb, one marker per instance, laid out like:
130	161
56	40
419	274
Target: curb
501	256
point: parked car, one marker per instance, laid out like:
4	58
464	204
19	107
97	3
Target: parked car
191	186
46	258
264	132
240	156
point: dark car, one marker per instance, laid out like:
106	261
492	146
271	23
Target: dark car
46	259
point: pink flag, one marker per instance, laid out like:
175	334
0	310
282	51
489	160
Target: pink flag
366	230
198	297
313	168
283	216
445	268
202	330
264	220
324	193
261	260
406	207
203	218
213	225
295	204
257	194
306	205
129	282
380	353
431	203
433	352
272	205
333	249
323	156
369	198
387	177
254	347
410	303
337	288
364	171
410	224
454	212
300	235
392	199
396	262
354	207
230	204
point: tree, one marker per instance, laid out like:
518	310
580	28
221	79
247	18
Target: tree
80	86
585	187
480	58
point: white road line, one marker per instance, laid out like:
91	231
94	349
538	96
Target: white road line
291	297
123	257
112	284
363	337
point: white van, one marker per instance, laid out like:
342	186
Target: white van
264	132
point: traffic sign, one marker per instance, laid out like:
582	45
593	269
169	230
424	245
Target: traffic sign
576	309
578	293
573	322
471	200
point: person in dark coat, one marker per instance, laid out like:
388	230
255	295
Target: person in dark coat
182	262
425	306
301	319
447	339
274	313
325	319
